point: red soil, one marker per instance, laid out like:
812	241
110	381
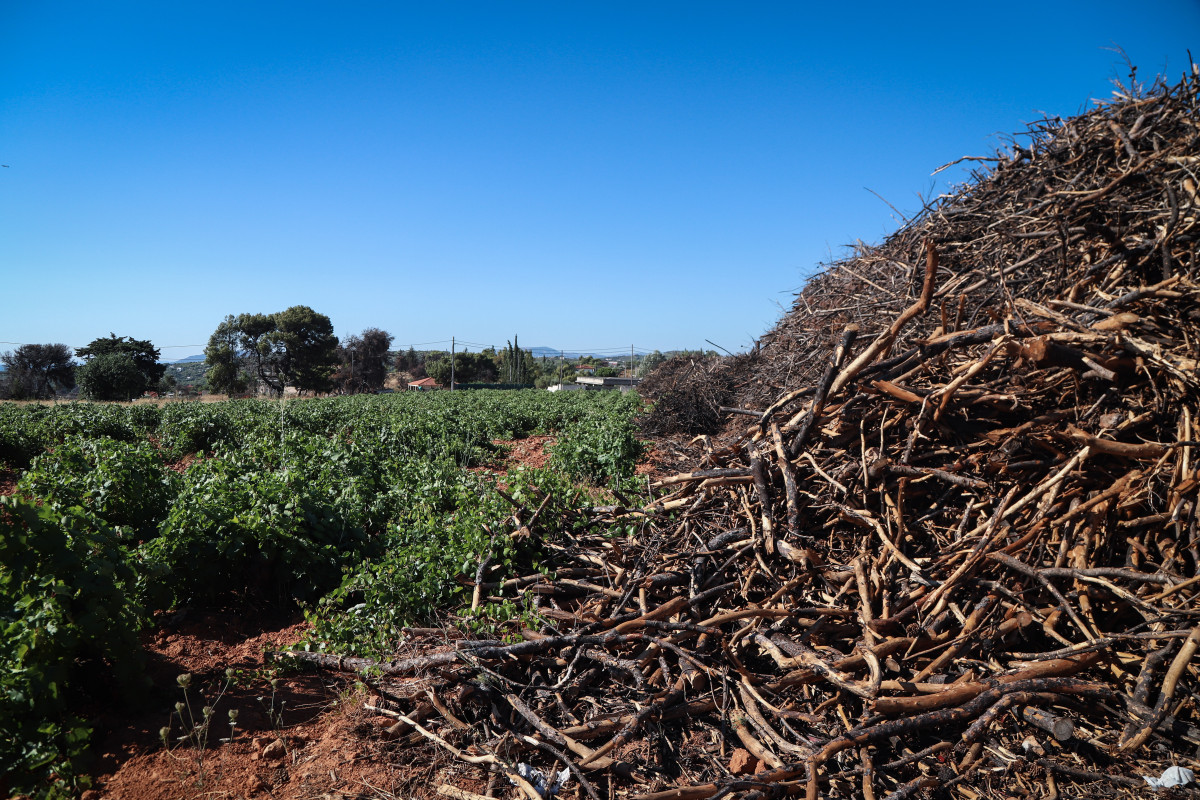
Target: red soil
331	748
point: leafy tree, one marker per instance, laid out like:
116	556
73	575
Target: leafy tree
144	355
226	364
118	368
408	361
439	370
651	361
111	376
468	368
363	361
480	367
304	343
38	370
295	347
517	365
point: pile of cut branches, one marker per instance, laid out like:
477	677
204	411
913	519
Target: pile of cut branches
687	394
956	548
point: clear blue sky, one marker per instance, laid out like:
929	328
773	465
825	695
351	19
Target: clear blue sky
585	175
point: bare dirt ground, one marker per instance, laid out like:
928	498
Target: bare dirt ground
529	452
297	735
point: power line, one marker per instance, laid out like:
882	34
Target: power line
76	347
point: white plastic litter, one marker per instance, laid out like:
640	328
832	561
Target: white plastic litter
539	781
1173	776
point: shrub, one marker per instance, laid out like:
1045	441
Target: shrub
601	447
186	428
431	556
65	613
237	529
123	484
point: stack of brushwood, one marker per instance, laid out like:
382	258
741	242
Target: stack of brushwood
956	551
687	394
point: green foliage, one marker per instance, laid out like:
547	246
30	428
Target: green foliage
454	520
357	507
20	435
26	431
239	529
186	428
363	362
295	347
516	365
37	371
65	609
107	369
111	376
307	347
603	445
227	370
468	368
123	484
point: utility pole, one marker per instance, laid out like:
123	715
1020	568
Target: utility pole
451	363
631	361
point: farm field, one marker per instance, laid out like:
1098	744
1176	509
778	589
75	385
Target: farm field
937	535
130	531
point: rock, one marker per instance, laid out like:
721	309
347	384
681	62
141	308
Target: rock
91	794
254	785
742	762
276	749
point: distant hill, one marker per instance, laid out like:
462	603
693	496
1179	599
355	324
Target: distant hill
188	359
550	352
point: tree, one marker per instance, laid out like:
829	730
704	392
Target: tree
111	378
439	370
651	362
303	341
517	365
363	361
468	368
295	347
408	361
226	368
38	371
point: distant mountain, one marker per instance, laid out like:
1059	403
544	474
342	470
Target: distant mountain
550	352
188	359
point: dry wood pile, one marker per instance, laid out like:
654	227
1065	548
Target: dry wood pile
688	394
955	553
